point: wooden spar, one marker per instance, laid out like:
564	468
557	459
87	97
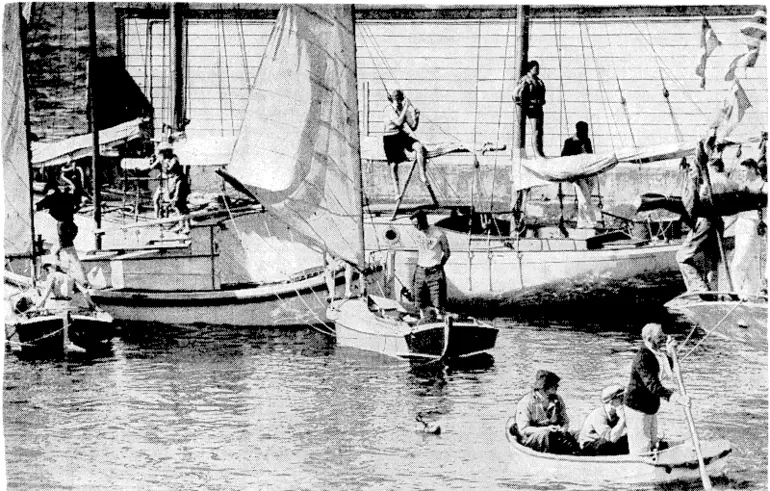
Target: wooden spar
359	174
177	65
92	122
691	423
522	58
28	131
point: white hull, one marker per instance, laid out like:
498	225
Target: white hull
677	463
501	268
283	304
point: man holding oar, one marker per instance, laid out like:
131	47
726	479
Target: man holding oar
644	390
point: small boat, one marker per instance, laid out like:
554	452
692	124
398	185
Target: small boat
383	325
730	316
53	330
678	462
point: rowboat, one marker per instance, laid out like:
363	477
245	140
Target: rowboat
384	326
678	462
729	316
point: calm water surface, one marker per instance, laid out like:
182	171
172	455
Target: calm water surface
217	408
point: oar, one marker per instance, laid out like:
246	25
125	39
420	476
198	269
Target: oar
691	423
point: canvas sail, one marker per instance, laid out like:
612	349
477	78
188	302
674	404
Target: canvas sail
298	147
561	169
17	237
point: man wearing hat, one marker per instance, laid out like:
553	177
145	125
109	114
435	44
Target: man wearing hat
604	430
541	417
429	280
645	390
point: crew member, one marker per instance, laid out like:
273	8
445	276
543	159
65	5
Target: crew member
541	417
429	288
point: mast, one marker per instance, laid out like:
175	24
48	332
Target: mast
92	122
522	58
176	21
360	223
28	133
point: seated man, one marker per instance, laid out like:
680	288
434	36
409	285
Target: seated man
541	417
60	290
604	430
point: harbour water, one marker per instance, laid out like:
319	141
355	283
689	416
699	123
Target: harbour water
220	408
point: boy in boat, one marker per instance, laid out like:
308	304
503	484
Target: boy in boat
401	120
541	417
578	144
530	96
60	290
604	430
645	390
429	279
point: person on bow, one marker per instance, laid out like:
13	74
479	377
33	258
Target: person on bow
541	417
60	290
62	206
705	202
645	390
401	120
578	144
429	286
530	97
604	430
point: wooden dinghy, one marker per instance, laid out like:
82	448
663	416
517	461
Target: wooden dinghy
676	463
727	314
382	325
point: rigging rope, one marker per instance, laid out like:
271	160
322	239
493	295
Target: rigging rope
500	113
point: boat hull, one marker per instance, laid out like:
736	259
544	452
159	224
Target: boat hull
677	463
724	313
502	269
45	333
358	327
283	304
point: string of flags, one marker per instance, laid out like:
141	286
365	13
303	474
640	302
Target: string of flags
708	43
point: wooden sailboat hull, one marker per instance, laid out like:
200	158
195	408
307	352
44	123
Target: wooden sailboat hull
677	463
744	321
503	269
280	304
358	327
44	333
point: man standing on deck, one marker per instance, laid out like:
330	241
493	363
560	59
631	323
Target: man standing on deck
401	119
429	279
177	185
644	390
62	207
577	144
530	96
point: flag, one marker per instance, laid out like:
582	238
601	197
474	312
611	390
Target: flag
708	43
732	112
755	31
757	26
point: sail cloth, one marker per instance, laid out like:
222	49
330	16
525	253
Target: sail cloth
656	153
298	147
17	235
561	169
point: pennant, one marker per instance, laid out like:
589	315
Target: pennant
732	112
757	26
708	42
746	60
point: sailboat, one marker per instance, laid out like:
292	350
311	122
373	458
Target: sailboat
31	329
299	153
499	258
236	267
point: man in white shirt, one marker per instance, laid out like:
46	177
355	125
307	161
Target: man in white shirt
401	119
429	280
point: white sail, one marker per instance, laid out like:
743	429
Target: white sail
298	148
17	236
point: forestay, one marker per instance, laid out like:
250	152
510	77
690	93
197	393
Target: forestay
298	147
17	238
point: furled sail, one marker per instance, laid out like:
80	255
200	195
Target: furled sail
17	237
656	153
560	169
298	147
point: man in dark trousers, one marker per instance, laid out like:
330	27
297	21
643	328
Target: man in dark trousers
644	390
530	96
577	144
62	206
